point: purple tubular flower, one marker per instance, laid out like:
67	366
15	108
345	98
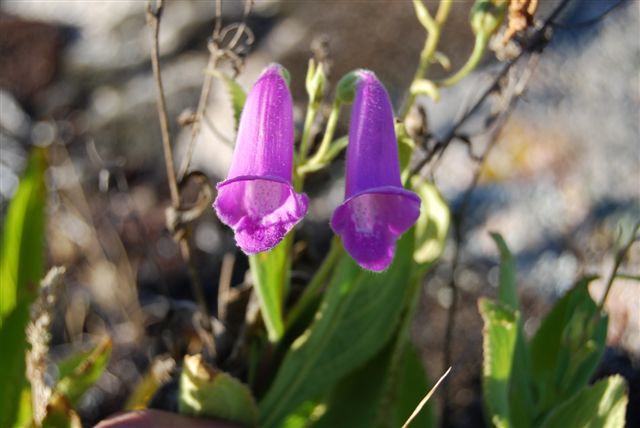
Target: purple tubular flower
377	209
257	199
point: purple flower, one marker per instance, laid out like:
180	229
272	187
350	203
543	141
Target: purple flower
257	199
377	209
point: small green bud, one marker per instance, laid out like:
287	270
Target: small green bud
346	89
315	82
487	15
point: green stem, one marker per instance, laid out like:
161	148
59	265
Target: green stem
312	110
269	295
434	30
298	179
321	153
482	40
619	258
321	276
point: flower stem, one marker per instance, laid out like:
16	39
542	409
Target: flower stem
316	283
298	179
482	40
320	155
312	110
620	255
434	30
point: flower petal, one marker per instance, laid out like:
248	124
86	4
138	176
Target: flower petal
371	222
260	210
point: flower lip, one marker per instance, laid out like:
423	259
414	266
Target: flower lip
371	221
261	210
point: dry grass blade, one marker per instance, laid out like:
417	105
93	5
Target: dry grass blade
425	399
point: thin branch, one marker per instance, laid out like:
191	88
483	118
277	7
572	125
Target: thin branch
536	43
619	258
153	21
513	94
216	52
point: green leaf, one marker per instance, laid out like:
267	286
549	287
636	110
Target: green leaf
566	349
236	93
499	340
79	372
21	266
432	225
406	145
601	405
520	388
60	414
356	399
373	396
270	273
25	409
411	387
507	293
359	313
305	415
206	392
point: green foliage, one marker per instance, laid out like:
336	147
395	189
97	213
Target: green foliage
500	332
567	347
207	392
359	313
21	267
601	405
79	372
270	273
237	95
382	393
315	82
432	225
60	414
507	285
547	380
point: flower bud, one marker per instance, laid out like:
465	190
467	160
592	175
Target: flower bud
487	15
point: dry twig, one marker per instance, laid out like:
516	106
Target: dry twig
153	21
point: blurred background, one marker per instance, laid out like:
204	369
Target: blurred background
565	173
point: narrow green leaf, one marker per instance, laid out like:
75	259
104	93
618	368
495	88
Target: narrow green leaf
601	405
359	313
206	392
373	396
356	399
411	387
566	349
79	372
236	93
21	266
432	225
507	293
521	402
499	340
24	417
60	414
270	273
520	388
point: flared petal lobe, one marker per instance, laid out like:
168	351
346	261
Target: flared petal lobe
257	200
377	209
